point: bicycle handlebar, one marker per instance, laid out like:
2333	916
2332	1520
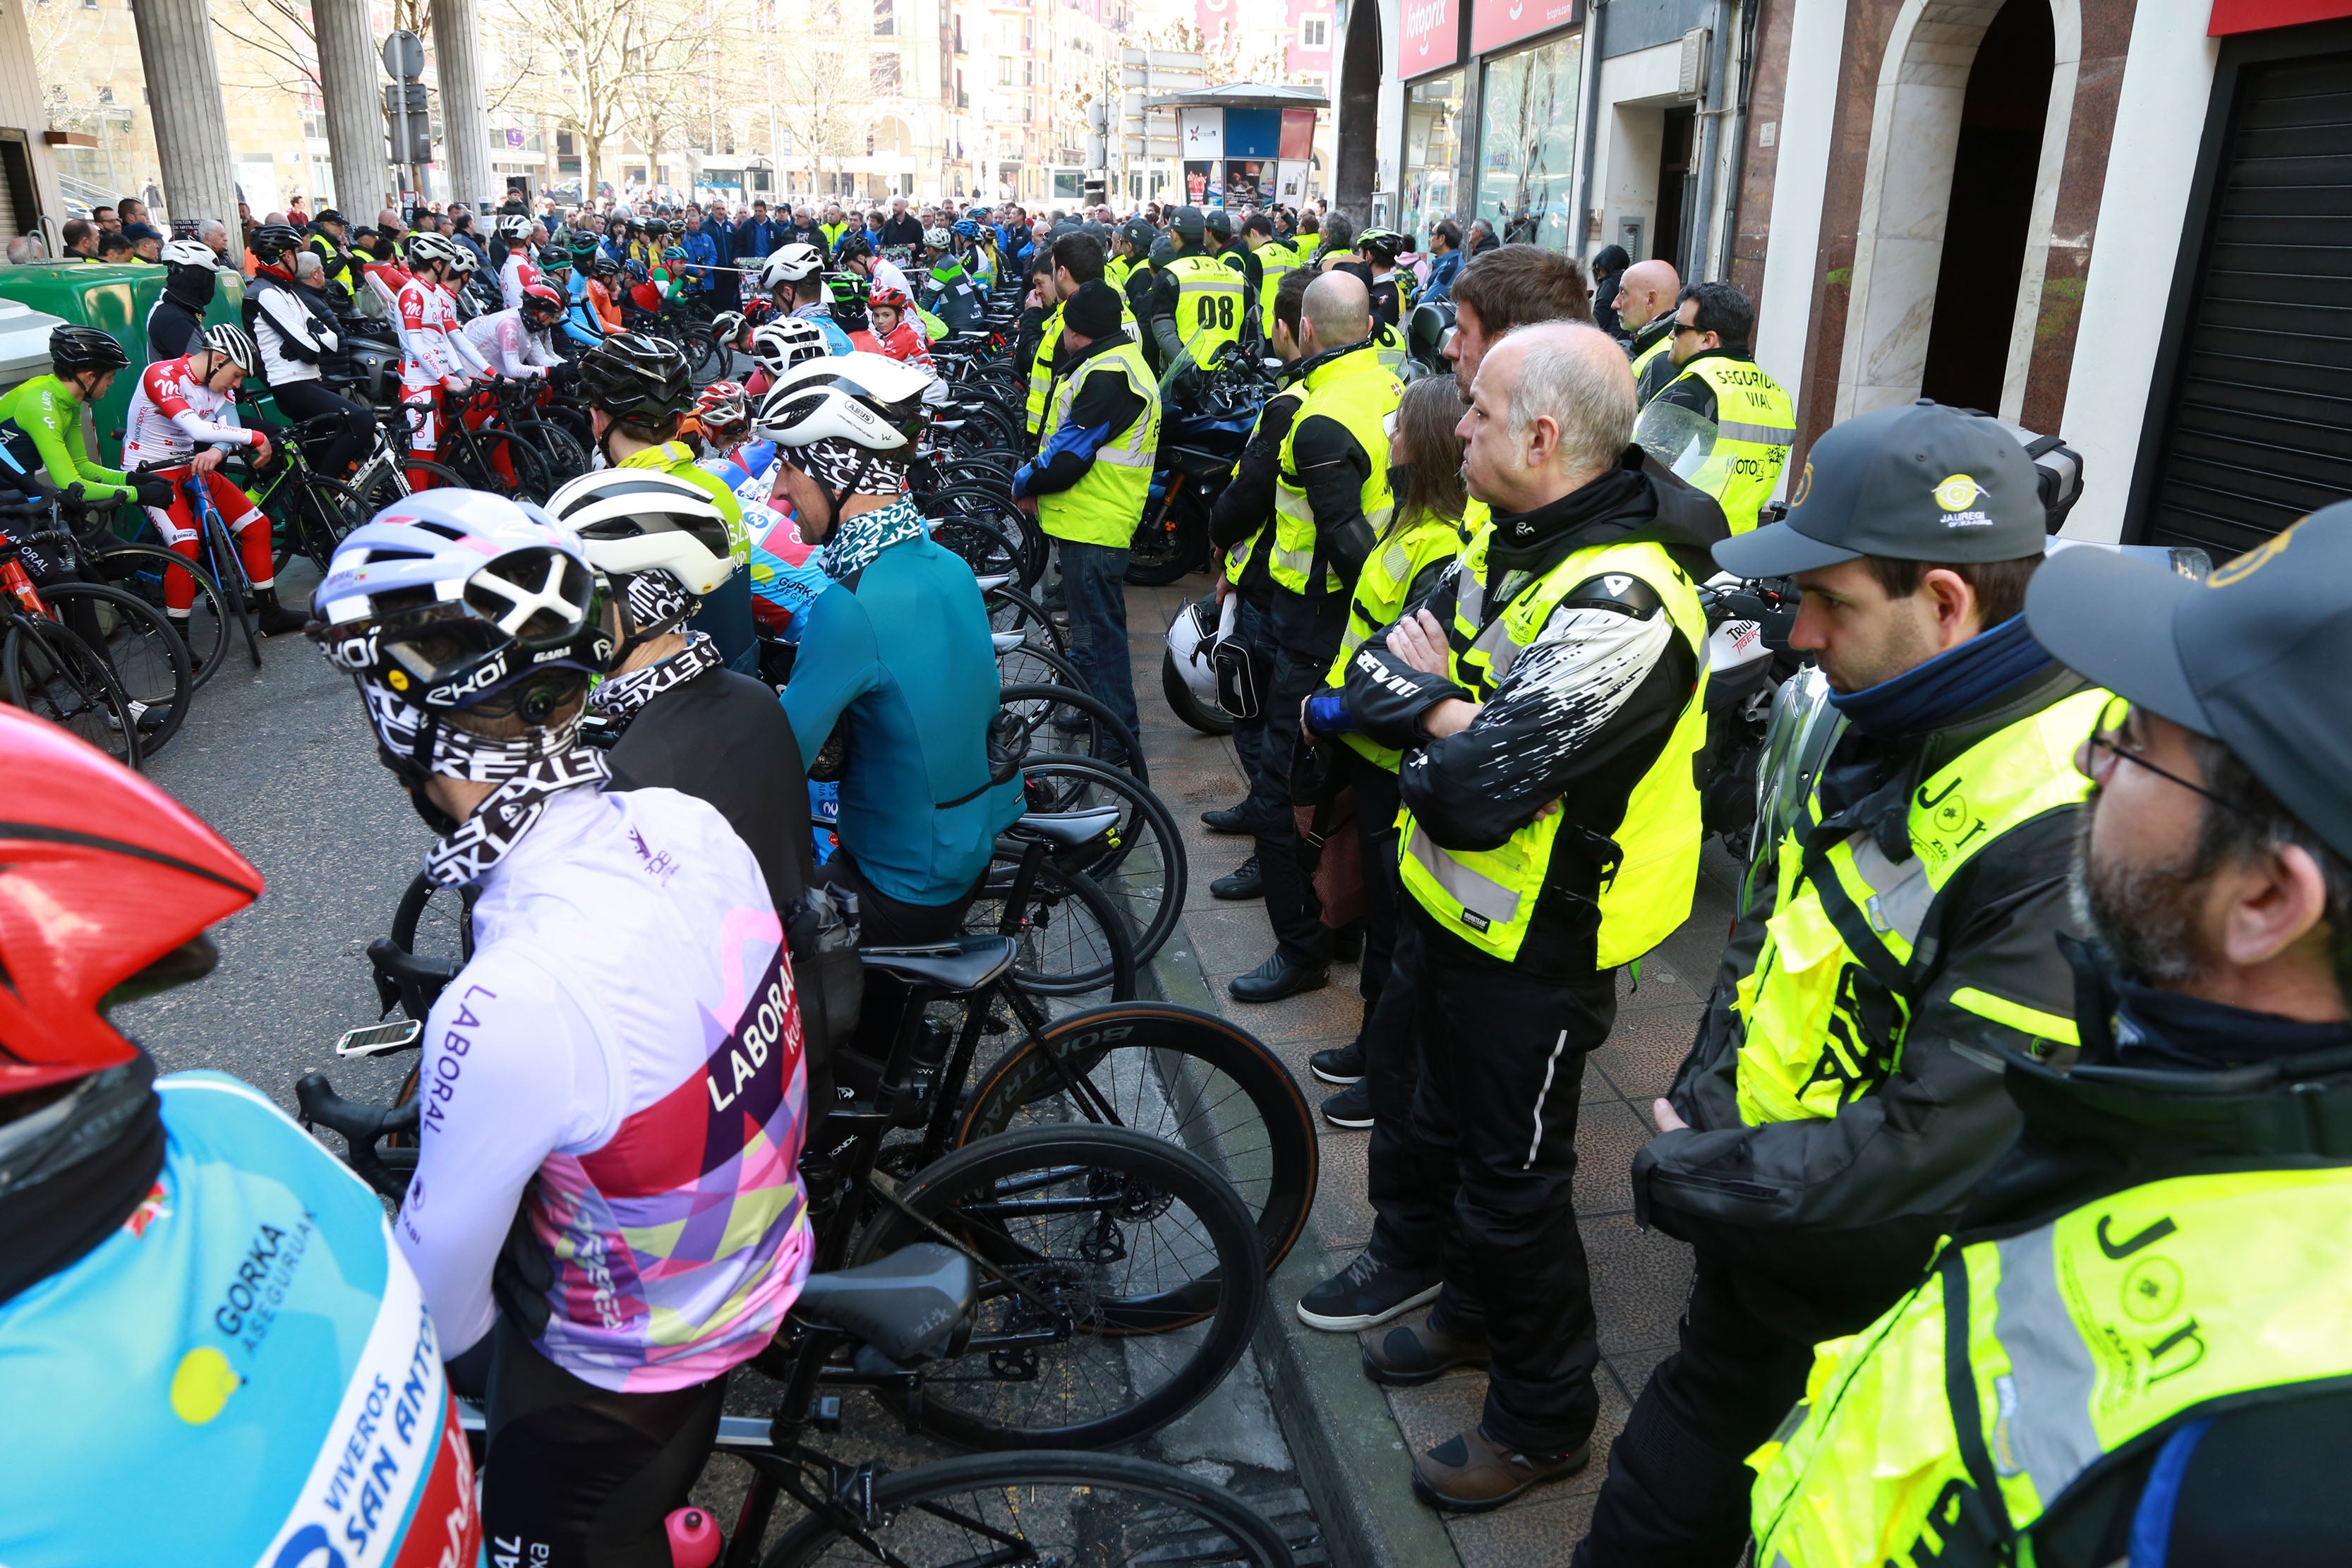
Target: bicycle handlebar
361	1126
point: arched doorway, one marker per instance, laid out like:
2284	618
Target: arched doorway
1991	208
1359	107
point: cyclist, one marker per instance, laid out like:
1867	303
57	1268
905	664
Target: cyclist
191	278
723	414
514	342
517	271
592	316
294	331
426	314
855	256
205	1290
618	1064
894	332
40	424
639	395
895	652
1392	290
182	420
949	292
811	299
977	245
779	345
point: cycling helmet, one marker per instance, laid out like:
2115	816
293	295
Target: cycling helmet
467	263
73	350
106	887
790	264
675	253
604	266
655	227
781	344
1383	243
189	253
642	520
514	225
539	294
583	248
853	245
727	327
936	239
232	344
430	247
723	405
891	298
631	375
270	241
966	228
868	400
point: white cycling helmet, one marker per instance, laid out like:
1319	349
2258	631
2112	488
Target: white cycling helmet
779	345
515	225
429	247
938	238
643	519
791	264
189	253
869	400
232	342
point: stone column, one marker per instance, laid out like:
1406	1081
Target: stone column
352	79
458	61
183	93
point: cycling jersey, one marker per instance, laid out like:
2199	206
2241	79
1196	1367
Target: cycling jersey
243	1372
40	434
427	315
173	413
950	295
293	335
837	341
621	1062
886	273
519	273
509	345
787	575
907	342
386	280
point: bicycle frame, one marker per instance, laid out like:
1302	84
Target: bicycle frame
215	540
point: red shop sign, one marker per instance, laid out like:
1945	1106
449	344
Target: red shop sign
1432	36
1494	22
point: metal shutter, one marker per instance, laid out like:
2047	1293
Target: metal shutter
2260	430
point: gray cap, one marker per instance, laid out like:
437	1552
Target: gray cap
1188	222
1922	482
2253	656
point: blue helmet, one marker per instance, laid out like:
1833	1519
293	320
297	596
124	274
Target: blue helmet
967	229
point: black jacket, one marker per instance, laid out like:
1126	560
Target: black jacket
906	230
1561	726
1841	1211
177	318
1247	501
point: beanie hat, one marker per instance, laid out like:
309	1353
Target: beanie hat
1093	310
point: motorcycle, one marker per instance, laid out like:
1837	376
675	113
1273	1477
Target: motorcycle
1199	443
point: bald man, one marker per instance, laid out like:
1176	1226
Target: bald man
1645	307
1547	701
1331	499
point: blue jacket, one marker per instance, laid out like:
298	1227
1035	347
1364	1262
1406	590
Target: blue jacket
702	251
757	239
902	655
1441	276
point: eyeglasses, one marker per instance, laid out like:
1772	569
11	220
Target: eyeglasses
2112	734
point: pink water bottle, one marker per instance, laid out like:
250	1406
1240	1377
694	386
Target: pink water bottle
694	1538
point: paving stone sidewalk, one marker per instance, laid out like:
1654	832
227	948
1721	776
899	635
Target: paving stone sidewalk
1638	1281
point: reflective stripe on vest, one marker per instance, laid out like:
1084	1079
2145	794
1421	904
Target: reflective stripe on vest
1649	358
1489	897
1826	1005
1380	599
1106	504
1357	391
1237	558
1274	259
2024	1367
1041	369
1212	304
1755	425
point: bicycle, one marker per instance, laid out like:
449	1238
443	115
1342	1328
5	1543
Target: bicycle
47	669
144	569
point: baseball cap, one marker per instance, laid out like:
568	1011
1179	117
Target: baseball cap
2253	656
1188	222
1140	234
1922	482
1219	222
135	231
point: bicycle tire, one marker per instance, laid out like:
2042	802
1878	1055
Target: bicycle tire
1177	1519
1119	1330
1011	610
1026	664
52	674
1104	733
149	662
986	550
1143	867
567	458
140	568
1180	1075
1073	939
333	510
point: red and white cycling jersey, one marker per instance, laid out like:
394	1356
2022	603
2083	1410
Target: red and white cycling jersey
517	275
173	413
386	280
427	315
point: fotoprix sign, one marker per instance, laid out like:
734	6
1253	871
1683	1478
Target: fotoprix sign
1432	36
1495	22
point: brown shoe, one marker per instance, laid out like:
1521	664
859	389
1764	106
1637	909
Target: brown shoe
1412	1354
1470	1473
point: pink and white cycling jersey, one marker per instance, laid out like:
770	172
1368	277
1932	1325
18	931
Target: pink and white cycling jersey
507	345
427	313
173	413
621	1059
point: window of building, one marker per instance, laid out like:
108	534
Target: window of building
1527	146
885	23
1004	70
1315	33
1028	73
885	75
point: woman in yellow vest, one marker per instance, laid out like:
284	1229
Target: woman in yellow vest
2139	1347
1422	537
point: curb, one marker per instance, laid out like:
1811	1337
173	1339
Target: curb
1350	1452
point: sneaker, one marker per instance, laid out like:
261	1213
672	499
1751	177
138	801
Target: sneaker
1350	1109
1338	1064
1366	1294
1472	1473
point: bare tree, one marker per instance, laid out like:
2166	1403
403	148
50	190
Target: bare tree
584	74
817	91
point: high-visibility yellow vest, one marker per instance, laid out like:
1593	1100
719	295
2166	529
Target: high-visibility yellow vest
1212	304
1237	558
1389	344
1489	897
1648	361
1041	369
1826	1005
833	233
1103	507
1115	273
1274	259
336	270
1380	599
1755	425
2099	1332
1358	392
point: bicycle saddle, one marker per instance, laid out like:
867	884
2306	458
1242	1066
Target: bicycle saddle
910	1306
990	583
1006	641
1071	828
958	966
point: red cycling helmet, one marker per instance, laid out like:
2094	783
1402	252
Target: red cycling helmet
543	295
104	879
893	298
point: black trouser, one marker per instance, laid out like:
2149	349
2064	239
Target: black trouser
1305	636
343	445
1477	1179
1376	831
576	1475
1678	1485
1249	734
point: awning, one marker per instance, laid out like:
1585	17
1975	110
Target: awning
1241	95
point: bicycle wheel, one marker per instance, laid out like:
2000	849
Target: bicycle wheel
1125	1246
1064	721
51	673
1188	1078
1027	664
145	656
145	570
1061	1508
435	922
988	552
1011	610
1140	862
566	458
1073	939
316	517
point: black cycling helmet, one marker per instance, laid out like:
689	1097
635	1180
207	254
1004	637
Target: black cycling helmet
270	241
604	266
73	350
656	226
634	376
853	244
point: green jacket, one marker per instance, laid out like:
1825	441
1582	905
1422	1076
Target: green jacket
40	429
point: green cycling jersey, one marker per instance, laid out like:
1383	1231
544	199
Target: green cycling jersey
40	429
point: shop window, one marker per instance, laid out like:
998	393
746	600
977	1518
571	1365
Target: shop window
1527	143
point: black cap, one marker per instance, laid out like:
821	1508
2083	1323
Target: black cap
1922	482
1188	222
1220	223
1093	310
1138	234
2254	656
